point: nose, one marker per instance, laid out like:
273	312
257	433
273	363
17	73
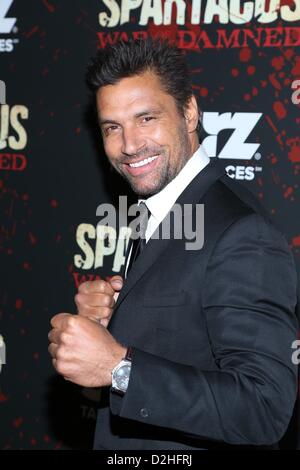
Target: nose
132	140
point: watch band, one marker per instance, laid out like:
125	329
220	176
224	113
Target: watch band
128	355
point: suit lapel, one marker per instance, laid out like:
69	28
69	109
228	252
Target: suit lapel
155	247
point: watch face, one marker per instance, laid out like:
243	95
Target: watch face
122	377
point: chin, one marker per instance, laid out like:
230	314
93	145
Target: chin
144	191
150	187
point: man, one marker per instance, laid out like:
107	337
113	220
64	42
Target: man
206	334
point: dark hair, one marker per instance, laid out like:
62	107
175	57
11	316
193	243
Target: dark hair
134	57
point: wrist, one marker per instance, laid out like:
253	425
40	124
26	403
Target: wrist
118	356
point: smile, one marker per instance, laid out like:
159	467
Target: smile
143	162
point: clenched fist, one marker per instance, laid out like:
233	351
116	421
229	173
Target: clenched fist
96	299
83	351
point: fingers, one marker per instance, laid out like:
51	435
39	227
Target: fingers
116	282
60	338
95	306
96	299
98	286
95	313
54	336
60	320
64	325
53	349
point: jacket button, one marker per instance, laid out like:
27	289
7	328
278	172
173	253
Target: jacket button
144	413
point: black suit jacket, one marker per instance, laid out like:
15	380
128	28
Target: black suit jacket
211	332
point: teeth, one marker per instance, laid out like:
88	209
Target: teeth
143	162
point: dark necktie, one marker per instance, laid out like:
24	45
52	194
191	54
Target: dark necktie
138	244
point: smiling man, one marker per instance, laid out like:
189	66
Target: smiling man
192	347
149	140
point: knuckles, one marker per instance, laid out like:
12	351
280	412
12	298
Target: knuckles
94	300
88	287
60	366
77	299
84	287
65	338
106	312
60	355
71	323
108	301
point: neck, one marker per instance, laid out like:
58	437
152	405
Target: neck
194	143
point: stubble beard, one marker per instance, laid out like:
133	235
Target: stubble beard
168	172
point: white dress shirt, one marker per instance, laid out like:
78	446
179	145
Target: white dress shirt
161	203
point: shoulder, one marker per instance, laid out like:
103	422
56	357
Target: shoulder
239	214
231	197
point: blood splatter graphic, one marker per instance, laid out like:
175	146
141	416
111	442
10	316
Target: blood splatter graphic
279	110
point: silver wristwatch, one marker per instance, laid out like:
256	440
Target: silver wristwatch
120	375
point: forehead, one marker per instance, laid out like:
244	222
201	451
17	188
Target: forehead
131	95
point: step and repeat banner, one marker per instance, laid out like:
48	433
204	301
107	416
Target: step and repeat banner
245	60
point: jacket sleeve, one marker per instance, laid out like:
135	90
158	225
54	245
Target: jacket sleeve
249	300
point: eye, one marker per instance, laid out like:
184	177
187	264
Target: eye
148	118
110	129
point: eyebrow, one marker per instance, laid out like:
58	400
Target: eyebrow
138	115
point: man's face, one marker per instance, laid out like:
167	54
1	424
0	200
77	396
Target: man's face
145	137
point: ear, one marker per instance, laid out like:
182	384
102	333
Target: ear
191	114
